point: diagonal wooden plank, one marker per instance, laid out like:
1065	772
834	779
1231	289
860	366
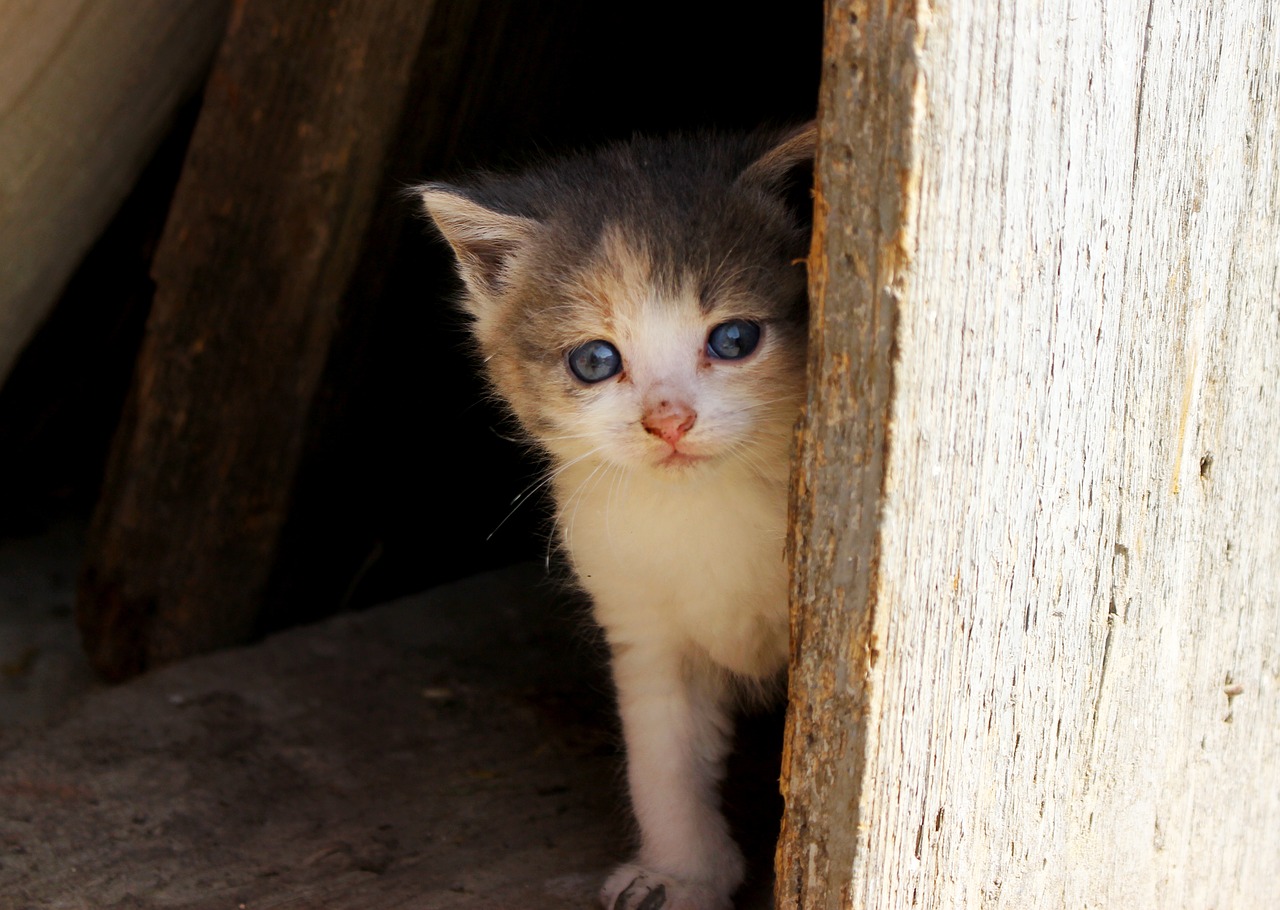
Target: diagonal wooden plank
267	227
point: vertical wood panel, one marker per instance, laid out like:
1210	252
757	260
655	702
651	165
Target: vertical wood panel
1076	696
861	247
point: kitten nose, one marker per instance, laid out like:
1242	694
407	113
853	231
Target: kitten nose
669	421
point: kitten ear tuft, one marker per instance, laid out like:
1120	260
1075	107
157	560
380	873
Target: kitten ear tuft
484	240
774	169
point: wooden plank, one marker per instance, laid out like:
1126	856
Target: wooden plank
266	230
87	91
1074	699
859	252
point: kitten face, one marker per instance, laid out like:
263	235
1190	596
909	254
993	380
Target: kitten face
673	402
642	306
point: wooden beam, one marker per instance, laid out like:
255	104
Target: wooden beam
267	227
861	248
1038	666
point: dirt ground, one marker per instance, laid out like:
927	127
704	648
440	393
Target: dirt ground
454	749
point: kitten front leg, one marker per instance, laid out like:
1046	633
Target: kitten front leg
677	733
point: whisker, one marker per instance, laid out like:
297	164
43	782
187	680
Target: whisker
578	495
618	475
562	438
757	405
524	496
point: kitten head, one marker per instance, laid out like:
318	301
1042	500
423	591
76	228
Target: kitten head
645	304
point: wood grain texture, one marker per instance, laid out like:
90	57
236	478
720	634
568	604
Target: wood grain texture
87	91
1073	696
859	253
284	173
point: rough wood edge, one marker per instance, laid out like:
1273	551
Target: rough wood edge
867	178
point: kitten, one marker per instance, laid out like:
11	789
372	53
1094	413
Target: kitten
642	309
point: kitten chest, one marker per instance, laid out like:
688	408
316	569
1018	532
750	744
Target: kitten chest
694	561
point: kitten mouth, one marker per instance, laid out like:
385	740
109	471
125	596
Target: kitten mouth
678	459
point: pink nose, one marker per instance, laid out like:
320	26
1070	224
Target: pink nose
669	421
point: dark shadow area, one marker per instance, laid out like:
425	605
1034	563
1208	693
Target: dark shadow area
60	405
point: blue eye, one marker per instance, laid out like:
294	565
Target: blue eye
734	339
594	361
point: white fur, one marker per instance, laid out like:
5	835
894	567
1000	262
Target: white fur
692	562
686	569
688	580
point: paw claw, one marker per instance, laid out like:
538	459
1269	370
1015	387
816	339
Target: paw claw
633	887
650	898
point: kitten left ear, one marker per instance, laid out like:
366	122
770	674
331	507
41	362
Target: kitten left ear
483	239
772	170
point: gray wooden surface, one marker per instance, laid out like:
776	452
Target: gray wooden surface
455	749
1067	663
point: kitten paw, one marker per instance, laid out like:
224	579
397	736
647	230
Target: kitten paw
632	887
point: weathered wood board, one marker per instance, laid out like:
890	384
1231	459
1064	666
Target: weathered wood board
270	219
1050	600
87	91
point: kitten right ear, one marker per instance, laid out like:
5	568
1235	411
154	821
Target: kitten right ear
794	149
484	240
785	171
